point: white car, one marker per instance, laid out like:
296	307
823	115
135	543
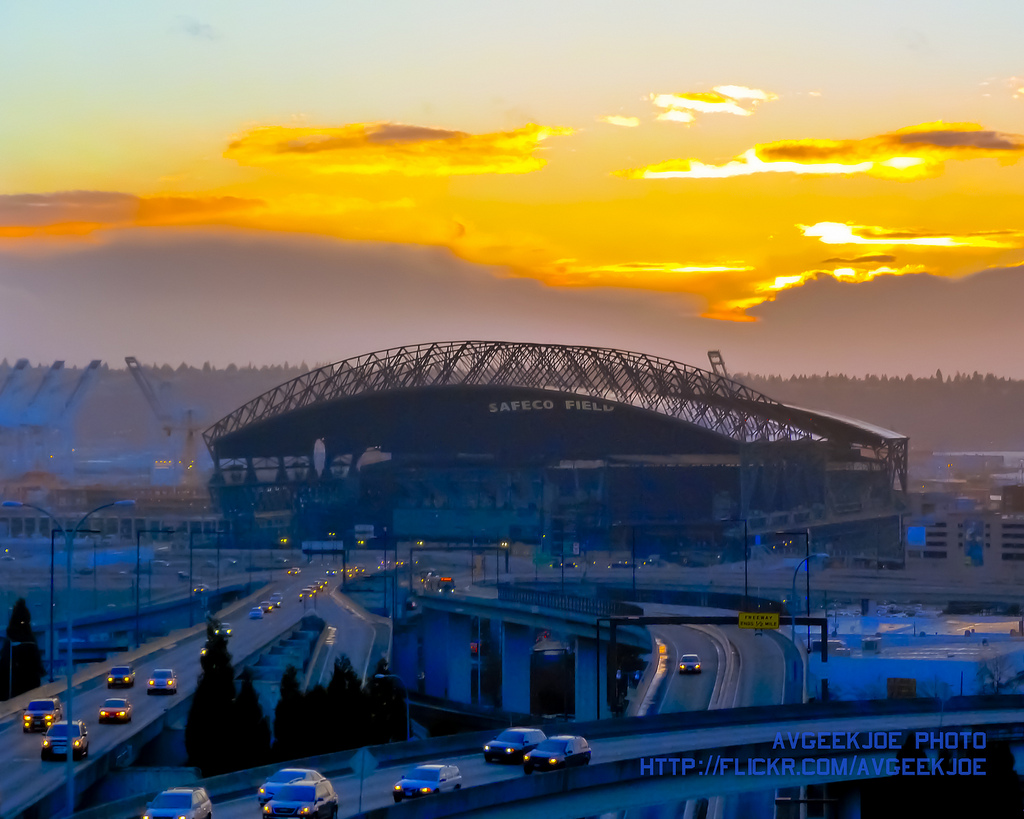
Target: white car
689	664
277	599
180	803
287	776
255	613
422	780
162	681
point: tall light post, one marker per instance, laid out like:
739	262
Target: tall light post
405	694
69	544
792	611
138	573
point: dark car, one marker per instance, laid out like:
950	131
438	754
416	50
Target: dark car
121	676
557	752
512	745
433	777
312	799
55	743
41	714
116	709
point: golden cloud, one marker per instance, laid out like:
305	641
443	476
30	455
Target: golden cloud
840	233
906	154
623	122
662	276
384	147
723	99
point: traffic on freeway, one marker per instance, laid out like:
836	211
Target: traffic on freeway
25	776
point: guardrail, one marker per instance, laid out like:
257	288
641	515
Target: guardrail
242	783
595	607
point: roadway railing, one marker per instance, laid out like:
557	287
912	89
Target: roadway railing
596	607
243	783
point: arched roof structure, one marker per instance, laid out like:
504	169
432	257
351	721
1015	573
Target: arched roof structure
691	395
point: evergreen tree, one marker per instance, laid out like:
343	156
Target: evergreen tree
250	727
210	748
315	707
348	707
289	730
386	708
28	664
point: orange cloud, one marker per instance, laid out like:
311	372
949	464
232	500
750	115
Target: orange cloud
839	233
623	122
723	99
384	147
79	213
663	276
906	154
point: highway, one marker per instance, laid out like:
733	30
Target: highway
25	777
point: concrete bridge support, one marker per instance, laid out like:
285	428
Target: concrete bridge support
589	676
446	655
516	648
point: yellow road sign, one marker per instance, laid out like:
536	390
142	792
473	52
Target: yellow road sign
759	619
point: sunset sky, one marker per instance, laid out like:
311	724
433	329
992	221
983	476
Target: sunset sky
808	187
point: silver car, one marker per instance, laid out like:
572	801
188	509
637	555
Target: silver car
162	681
287	776
422	780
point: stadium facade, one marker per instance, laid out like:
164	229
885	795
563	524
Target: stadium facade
563	446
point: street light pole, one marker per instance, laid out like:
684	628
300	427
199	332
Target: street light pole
49	654
69	544
138	574
191	584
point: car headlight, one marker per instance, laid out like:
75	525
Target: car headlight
28	718
527	758
508	750
486	747
424	790
183	816
110	679
266	808
263	790
104	714
152	682
126	679
46	743
553	761
120	713
304	811
398	787
78	742
48	717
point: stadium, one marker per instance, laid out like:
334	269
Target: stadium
574	449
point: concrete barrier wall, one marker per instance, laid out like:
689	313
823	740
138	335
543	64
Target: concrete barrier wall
246	782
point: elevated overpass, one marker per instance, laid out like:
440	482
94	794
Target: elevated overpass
620	775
